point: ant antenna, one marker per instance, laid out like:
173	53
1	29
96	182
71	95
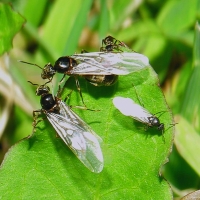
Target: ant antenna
30	63
163	130
33	83
171	125
162	112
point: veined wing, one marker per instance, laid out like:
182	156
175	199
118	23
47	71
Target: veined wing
78	136
66	112
129	108
102	63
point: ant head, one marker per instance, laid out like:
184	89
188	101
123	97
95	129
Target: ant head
108	40
161	127
48	71
42	89
109	48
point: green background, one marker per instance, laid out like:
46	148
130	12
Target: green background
167	32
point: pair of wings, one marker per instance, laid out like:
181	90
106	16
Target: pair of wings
107	63
129	108
78	136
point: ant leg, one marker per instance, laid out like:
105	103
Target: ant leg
35	116
61	89
79	90
84	51
49	81
170	126
62	79
117	48
163	137
102	49
59	86
60	82
79	107
68	96
35	121
84	108
146	127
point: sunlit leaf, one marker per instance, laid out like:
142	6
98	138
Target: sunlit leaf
11	23
44	167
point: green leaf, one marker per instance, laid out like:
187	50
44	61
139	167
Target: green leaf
104	19
190	108
44	167
147	36
29	11
11	23
64	25
179	85
139	29
177	12
176	168
79	23
120	11
187	142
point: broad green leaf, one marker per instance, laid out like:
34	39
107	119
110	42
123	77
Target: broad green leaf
11	23
187	142
44	167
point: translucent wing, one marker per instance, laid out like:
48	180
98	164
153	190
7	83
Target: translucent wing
101	63
78	136
129	108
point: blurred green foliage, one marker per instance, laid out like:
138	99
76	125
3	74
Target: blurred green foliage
166	32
